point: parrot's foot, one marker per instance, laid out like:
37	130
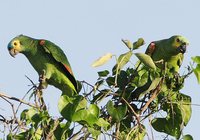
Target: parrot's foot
42	80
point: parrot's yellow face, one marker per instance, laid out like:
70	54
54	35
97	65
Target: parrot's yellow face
180	43
14	47
18	44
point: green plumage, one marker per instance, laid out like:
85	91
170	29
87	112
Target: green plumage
167	54
169	51
48	60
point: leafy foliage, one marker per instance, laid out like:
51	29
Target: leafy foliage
117	105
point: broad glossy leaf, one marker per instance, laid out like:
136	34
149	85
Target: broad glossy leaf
80	115
178	114
117	113
89	115
146	59
69	105
123	59
168	126
94	110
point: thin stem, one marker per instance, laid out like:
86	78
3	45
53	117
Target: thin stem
16	99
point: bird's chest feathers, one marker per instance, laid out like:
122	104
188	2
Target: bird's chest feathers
43	63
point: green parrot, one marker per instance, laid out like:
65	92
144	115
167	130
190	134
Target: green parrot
48	60
170	51
167	54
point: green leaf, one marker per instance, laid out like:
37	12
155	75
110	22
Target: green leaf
152	86
123	59
128	43
122	79
187	137
80	115
146	59
90	115
168	126
184	104
69	105
196	59
94	110
197	72
102	123
20	136
94	132
135	45
103	73
138	43
178	115
102	60
117	113
110	81
62	131
136	133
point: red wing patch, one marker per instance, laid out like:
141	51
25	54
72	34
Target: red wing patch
151	48
68	69
42	42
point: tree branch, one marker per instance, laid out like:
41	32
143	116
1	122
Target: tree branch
16	99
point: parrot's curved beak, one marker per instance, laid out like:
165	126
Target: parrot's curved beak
12	50
182	48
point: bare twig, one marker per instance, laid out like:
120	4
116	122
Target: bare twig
16	99
136	115
155	92
117	132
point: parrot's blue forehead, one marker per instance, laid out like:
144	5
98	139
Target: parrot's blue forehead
9	46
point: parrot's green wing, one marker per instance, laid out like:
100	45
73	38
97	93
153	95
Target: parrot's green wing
60	57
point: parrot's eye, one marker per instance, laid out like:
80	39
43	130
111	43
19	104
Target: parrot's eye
15	43
177	40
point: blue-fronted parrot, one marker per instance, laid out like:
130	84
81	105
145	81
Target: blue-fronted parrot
167	54
170	51
48	60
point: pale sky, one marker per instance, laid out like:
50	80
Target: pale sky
88	29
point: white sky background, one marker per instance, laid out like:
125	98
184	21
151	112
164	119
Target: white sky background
86	30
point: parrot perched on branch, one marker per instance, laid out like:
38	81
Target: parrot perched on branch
48	60
167	54
170	51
